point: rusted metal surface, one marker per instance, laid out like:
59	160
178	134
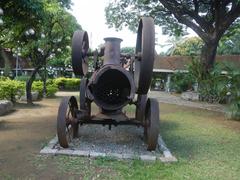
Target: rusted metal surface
152	123
67	127
112	87
145	49
140	107
113	84
112	50
85	104
80	46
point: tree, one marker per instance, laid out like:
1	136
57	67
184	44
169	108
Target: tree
128	50
189	47
41	28
209	19
15	14
230	44
173	41
49	41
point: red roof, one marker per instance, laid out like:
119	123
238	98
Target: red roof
174	63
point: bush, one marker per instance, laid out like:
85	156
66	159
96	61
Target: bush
51	90
38	86
11	89
50	85
233	91
181	82
4	78
212	86
67	83
218	87
233	111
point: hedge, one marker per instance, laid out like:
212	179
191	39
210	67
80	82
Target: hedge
67	83
13	90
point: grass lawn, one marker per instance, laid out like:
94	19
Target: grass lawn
205	144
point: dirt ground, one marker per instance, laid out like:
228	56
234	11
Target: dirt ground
26	130
23	133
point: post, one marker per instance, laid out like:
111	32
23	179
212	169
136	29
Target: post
44	81
17	65
168	83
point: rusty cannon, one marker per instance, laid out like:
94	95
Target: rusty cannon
117	80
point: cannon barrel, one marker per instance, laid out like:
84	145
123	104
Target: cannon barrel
112	86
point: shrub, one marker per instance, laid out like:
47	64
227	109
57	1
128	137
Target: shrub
233	91
67	83
50	85
11	89
4	78
233	111
38	86
212	86
218	87
181	82
51	89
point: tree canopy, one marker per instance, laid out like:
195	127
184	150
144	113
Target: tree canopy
209	19
40	29
188	47
228	45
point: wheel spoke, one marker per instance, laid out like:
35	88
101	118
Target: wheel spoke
65	123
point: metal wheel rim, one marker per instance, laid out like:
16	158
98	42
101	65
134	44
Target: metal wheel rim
152	124
145	47
80	46
66	130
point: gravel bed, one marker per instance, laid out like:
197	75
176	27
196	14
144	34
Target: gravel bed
121	139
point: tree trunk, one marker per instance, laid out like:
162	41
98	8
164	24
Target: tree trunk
44	81
208	55
29	85
7	65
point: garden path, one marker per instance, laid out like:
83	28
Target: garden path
164	97
169	98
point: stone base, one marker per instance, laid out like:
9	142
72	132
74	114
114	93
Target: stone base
190	96
34	96
122	142
5	107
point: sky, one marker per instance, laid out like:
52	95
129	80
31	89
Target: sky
91	16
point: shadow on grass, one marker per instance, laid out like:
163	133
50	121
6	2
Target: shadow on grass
182	145
168	125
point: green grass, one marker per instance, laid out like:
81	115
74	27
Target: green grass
205	148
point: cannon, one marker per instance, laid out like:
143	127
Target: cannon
116	81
